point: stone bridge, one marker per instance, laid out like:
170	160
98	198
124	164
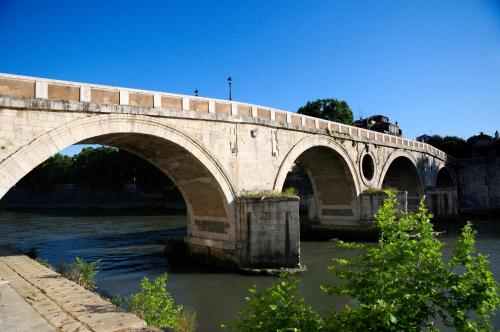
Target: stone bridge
216	150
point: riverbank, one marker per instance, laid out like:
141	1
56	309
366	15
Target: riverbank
61	304
72	196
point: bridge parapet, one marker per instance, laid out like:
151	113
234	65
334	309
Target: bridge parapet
41	88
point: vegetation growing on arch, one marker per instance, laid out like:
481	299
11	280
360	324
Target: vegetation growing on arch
288	192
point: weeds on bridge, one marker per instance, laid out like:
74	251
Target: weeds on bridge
288	192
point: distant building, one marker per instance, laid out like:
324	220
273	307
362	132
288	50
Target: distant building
481	140
379	123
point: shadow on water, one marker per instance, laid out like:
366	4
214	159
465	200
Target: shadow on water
89	212
117	253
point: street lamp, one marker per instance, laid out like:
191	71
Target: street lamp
230	82
196	92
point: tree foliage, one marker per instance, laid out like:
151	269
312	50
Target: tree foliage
102	167
154	304
452	145
403	283
328	109
277	309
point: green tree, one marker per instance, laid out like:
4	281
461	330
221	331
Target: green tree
452	145
328	109
154	304
403	283
55	170
277	309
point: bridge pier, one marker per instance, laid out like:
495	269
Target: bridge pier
268	237
269	232
442	202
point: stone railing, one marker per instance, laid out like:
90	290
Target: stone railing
31	87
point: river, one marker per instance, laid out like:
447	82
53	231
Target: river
129	247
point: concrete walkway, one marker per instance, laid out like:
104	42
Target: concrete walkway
16	315
39	299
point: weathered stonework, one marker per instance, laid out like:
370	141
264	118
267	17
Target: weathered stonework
212	149
269	232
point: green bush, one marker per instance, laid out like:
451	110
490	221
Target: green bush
154	304
403	284
277	309
44	262
81	272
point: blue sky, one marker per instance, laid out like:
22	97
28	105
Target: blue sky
433	66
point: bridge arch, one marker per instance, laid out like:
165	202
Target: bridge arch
333	178
401	171
203	182
445	177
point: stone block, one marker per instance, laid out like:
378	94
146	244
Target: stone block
270	232
41	89
370	202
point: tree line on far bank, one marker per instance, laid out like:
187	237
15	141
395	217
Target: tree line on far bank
101	168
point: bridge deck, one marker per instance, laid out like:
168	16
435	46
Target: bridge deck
57	90
63	305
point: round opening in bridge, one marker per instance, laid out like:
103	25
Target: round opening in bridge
368	167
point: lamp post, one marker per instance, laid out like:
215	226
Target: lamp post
230	82
196	92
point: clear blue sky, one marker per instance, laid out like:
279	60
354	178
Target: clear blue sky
433	66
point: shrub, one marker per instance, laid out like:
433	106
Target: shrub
403	284
277	309
44	262
186	321
81	272
154	304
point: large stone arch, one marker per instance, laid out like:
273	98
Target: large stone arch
333	177
205	185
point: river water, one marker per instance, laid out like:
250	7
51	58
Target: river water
129	247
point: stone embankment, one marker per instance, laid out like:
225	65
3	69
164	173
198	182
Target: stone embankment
35	298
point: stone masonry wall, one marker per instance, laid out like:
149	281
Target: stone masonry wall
479	184
270	232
